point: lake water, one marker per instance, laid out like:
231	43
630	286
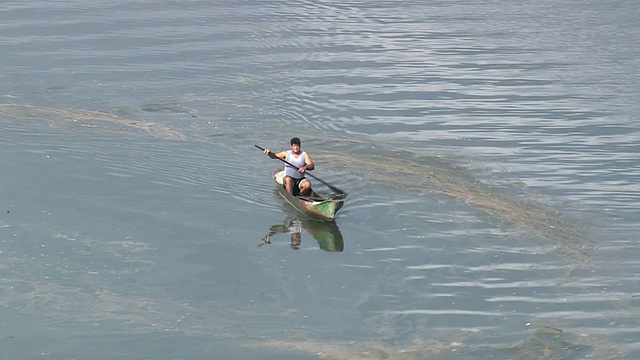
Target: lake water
489	149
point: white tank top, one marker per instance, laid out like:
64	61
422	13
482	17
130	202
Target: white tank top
297	161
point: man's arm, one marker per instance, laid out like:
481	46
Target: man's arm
308	163
281	155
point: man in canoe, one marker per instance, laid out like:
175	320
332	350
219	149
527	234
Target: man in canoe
294	181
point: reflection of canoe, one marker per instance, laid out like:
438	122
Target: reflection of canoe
314	204
326	233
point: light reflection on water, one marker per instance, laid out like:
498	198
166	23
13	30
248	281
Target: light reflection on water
136	199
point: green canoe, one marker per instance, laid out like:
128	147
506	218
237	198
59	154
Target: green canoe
313	205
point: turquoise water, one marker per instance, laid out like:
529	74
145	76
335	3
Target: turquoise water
489	151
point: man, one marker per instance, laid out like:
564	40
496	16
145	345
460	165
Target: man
294	181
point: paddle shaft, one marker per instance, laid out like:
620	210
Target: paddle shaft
313	176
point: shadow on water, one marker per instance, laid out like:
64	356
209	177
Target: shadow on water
326	233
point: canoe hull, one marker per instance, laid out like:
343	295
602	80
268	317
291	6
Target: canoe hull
313	205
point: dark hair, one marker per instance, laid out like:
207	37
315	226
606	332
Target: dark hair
295	141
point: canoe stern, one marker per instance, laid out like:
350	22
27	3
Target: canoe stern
325	209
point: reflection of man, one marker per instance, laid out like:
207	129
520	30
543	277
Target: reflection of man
296	239
291	226
325	233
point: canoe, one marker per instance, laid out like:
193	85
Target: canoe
313	205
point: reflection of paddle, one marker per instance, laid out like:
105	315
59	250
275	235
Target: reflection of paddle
341	194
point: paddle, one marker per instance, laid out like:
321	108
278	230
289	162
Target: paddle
342	194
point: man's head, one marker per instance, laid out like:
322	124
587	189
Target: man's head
295	144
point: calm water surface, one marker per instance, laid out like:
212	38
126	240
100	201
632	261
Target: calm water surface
489	150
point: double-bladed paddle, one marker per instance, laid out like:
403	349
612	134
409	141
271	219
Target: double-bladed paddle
341	194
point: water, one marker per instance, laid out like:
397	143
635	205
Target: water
489	150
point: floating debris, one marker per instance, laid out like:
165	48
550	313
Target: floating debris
540	344
421	174
87	118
